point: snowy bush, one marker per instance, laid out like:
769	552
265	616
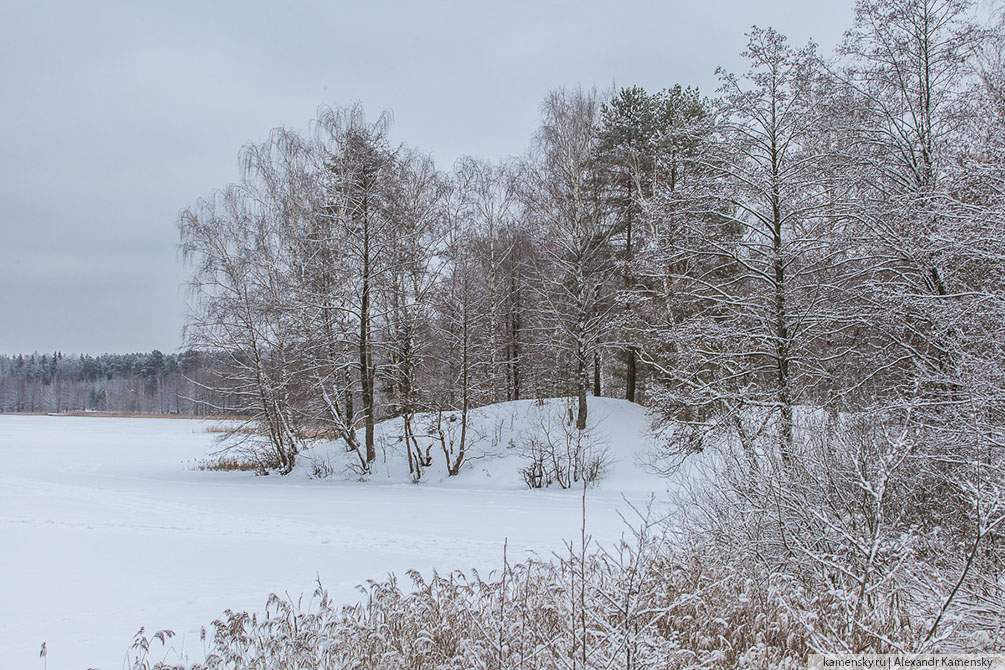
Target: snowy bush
872	535
557	452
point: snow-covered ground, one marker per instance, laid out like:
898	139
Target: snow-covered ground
106	524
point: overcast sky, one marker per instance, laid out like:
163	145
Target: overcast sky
115	115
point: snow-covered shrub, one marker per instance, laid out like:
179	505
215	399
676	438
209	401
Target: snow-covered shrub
557	452
322	467
240	448
228	464
871	536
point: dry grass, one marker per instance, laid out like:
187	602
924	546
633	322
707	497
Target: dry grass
235	430
302	432
230	465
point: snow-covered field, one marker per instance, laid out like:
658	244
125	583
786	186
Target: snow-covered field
106	525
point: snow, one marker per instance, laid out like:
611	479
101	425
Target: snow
106	524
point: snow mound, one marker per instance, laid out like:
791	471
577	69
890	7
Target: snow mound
497	443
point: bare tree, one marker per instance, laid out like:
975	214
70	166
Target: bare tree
360	163
237	290
744	247
417	259
489	203
931	290
563	196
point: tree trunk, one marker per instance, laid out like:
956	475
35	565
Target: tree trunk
582	384
630	374
630	354
365	356
514	361
596	374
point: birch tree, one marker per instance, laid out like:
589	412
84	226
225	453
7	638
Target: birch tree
489	202
359	162
563	196
236	294
416	258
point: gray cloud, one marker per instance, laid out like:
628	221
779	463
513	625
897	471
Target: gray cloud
115	115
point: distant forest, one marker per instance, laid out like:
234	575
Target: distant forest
151	382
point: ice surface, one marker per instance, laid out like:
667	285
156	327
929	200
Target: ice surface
106	525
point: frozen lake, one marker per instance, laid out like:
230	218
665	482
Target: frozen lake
106	526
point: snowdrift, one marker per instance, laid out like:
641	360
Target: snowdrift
499	438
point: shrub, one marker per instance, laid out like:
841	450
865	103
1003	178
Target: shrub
557	452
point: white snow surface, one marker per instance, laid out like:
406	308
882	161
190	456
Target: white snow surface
107	524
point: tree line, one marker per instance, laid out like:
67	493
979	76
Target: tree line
154	382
